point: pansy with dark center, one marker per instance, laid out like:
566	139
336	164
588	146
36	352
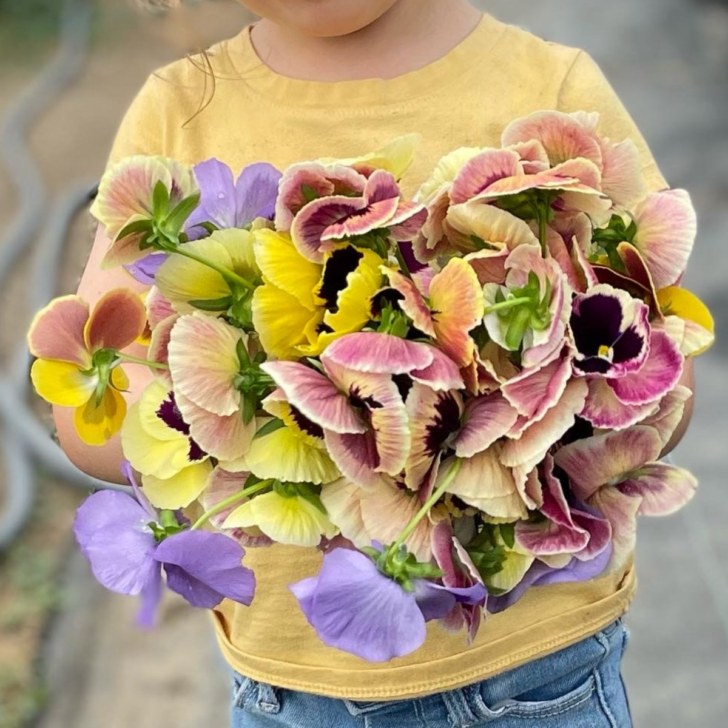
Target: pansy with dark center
169	413
611	332
337	268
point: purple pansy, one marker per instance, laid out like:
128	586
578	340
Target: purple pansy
227	203
116	535
145	269
354	607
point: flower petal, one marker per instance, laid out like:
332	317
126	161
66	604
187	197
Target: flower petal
456	300
97	425
486	419
621	511
596	461
668	413
111	529
666	230
604	410
225	437
57	331
117	320
61	383
375	353
355	608
659	374
203	362
486	484
179	490
317	397
442	375
481	171
662	489
535	441
205	568
622	179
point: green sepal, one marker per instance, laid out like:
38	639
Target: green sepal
309	493
176	219
138	226
243	356
160	200
250	407
212	304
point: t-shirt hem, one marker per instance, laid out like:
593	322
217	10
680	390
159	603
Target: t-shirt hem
278	673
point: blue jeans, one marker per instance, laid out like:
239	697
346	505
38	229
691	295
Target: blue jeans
577	687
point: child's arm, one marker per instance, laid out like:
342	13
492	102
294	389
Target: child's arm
102	462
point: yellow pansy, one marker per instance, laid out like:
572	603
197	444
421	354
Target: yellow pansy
675	301
291	520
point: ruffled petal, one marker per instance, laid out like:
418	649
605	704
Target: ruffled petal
482	171
659	374
486	419
662	489
378	354
117	320
441	375
668	413
179	490
666	231
203	362
596	461
317	397
604	410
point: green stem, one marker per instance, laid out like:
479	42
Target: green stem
223	504
227	274
542	213
449	477
504	305
146	362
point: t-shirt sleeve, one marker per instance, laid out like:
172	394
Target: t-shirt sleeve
585	88
143	129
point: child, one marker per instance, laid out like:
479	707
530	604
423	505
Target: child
338	78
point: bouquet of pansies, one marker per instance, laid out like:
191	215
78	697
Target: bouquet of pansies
456	398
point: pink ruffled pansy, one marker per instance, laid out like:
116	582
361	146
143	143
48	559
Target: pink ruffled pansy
563	528
615	341
326	220
362	415
618	474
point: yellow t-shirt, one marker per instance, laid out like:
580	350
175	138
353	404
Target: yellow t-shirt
497	74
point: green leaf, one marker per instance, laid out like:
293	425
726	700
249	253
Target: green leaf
176	219
160	200
212	304
275	424
138	226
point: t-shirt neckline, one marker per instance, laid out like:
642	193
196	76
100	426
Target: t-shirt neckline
462	59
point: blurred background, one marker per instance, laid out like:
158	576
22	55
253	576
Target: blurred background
69	652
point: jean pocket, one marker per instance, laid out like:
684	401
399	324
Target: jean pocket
243	689
541	709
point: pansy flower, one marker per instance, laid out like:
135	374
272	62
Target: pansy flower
562	528
618	473
290	514
441	422
304	182
77	364
451	308
627	363
691	324
145	269
362	415
325	220
302	306
293	452
355	607
530	312
128	547
190	285
228	203
157	442
126	196
216	384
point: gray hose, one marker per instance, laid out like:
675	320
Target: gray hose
22	434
